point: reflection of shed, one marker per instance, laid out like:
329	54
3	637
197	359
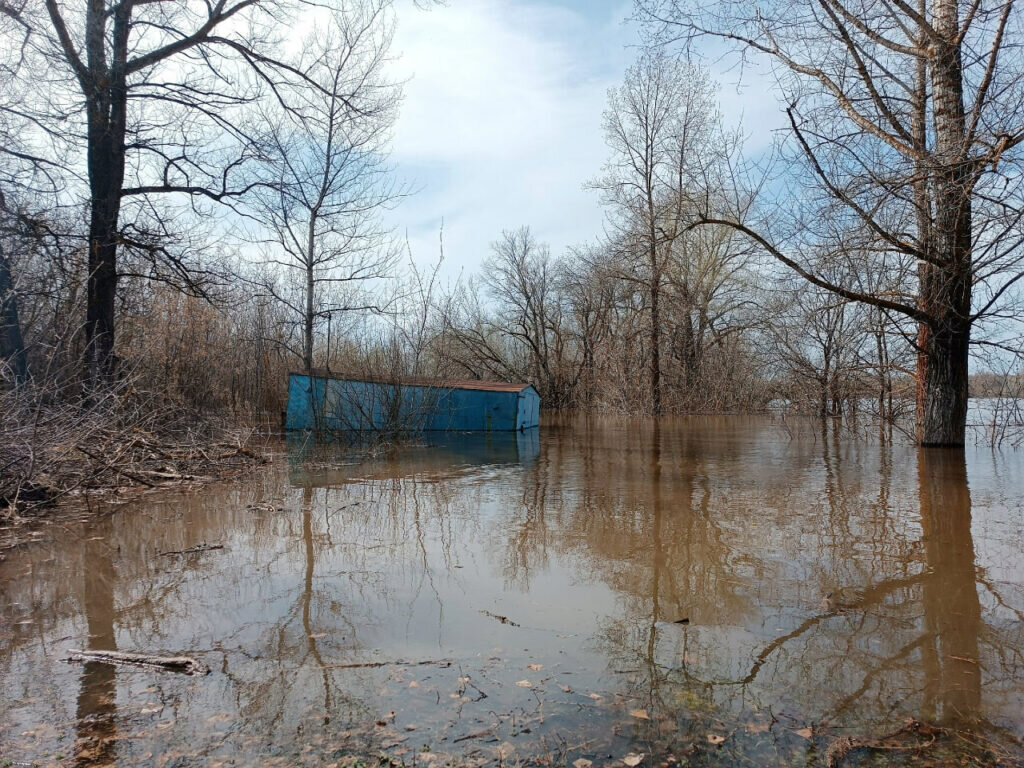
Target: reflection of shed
325	401
434	456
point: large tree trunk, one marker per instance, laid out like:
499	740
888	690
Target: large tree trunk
307	328
945	283
102	287
942	383
106	108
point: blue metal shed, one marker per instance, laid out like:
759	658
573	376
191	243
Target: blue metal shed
329	402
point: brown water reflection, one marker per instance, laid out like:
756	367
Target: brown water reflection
96	709
834	585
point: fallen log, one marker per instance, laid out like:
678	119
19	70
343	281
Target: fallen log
184	664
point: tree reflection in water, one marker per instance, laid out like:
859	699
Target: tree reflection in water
952	664
95	716
832	588
899	635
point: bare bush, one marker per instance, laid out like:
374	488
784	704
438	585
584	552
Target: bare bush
52	448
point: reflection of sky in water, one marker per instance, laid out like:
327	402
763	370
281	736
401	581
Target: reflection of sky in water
822	580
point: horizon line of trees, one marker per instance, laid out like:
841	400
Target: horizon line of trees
191	204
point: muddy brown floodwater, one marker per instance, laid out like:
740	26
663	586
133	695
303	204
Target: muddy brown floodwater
709	591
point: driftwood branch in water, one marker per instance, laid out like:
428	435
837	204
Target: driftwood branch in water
398	663
839	748
191	550
502	619
184	664
117	470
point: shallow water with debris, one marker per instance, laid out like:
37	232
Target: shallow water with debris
707	591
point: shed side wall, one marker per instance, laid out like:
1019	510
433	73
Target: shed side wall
336	404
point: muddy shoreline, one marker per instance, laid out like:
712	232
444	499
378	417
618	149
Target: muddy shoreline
27	526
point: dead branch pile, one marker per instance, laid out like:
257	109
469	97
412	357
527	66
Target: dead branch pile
52	447
912	736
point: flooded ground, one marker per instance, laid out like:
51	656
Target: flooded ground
709	591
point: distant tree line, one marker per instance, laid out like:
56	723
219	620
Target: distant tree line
191	201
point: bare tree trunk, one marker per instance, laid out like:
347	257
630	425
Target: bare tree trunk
307	337
942	383
12	345
655	313
689	353
106	109
882	354
945	290
655	334
826	373
102	290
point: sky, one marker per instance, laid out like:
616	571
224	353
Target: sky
501	122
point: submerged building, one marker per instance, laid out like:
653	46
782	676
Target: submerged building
329	402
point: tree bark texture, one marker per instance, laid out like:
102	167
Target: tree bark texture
12	344
105	88
945	280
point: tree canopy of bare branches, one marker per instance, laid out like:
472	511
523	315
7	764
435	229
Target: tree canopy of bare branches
326	249
908	120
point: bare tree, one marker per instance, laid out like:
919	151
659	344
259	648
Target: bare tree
28	185
657	126
909	116
511	322
588	281
712	299
12	343
817	338
329	146
159	88
520	277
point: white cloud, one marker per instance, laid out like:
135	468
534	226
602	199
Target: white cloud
501	123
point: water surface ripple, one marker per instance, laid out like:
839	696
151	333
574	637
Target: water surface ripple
708	590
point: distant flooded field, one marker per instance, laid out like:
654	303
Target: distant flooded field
708	591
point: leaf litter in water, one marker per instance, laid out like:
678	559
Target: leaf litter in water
640	714
633	759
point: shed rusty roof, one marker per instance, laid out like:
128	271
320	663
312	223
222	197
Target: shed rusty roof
487	386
